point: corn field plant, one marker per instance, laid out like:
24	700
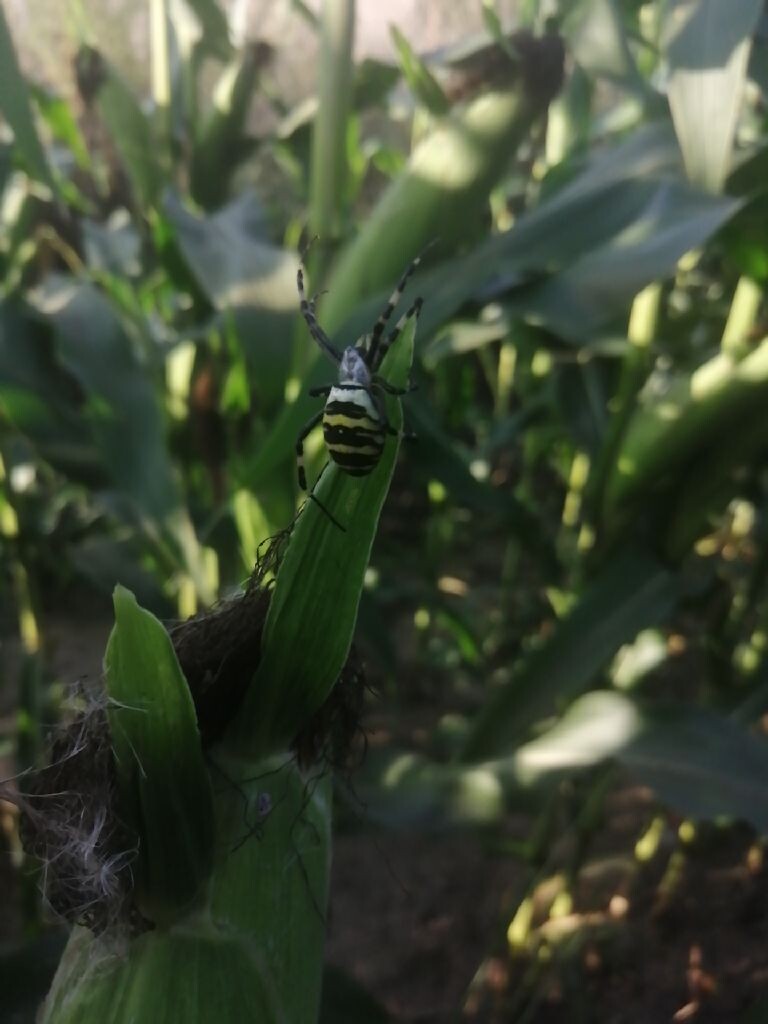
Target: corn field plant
213	868
592	368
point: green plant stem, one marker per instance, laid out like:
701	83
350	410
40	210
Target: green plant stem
328	173
755	593
568	121
161	70
505	378
641	330
30	673
687	443
741	317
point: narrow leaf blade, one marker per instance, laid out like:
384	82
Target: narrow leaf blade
162	776
708	44
17	110
633	592
697	761
313	610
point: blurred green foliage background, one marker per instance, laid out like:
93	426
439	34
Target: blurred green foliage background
571	568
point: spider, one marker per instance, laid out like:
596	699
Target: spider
355	422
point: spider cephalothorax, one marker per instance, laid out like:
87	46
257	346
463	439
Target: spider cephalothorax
355	423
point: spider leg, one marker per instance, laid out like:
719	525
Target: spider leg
308	312
306	429
390	389
319	503
312	303
395	332
322	391
386	313
381	406
377	389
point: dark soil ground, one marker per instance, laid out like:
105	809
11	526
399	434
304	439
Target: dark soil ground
681	937
421	921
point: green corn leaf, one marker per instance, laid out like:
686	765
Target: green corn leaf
223	143
436	458
313	610
402	789
253	950
34	398
16	108
164	785
699	762
271	887
166	977
633	591
118	391
129	127
419	77
670	220
496	31
245	278
374	80
329	161
92	344
707	48
59	116
212	19
597	34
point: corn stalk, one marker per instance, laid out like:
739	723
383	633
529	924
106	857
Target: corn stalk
329	146
229	878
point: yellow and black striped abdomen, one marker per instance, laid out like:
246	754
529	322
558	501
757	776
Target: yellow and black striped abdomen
353	429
